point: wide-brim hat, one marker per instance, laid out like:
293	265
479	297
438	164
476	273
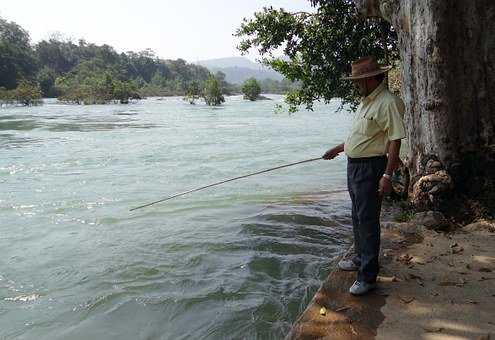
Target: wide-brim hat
366	67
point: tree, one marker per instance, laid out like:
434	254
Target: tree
27	93
447	50
318	47
447	53
124	90
193	92
224	85
212	93
58	55
251	89
83	72
16	56
46	80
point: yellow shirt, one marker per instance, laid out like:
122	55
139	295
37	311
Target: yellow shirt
379	120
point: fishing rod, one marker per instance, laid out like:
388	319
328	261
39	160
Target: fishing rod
224	181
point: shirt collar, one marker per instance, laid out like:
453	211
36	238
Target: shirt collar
372	96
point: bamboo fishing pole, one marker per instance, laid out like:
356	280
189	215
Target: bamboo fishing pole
224	181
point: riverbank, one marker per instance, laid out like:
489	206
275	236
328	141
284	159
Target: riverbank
433	285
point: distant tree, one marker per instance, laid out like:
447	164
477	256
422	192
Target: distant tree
26	94
46	80
58	55
82	72
17	60
193	92
251	89
124	90
212	93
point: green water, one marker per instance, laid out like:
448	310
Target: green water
240	261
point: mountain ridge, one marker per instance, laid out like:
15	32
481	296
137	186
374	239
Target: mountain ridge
239	69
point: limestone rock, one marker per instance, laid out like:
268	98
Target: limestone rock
430	219
432	187
480	226
404	227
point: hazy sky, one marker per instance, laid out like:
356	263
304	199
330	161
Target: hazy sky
189	29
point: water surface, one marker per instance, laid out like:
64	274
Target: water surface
240	261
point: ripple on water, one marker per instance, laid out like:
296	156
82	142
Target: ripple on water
24	298
238	262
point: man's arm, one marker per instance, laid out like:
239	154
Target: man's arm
385	186
334	152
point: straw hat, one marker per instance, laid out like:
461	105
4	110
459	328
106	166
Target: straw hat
366	67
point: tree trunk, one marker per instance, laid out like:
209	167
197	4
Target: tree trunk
447	52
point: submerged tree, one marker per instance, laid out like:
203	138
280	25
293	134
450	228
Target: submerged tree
26	94
193	92
212	92
251	89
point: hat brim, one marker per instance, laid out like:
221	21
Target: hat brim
383	69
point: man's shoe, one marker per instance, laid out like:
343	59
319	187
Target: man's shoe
361	288
349	265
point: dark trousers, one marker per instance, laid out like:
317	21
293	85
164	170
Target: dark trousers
363	176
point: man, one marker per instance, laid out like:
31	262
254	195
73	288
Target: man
376	133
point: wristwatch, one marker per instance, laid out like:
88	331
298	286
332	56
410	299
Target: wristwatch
387	176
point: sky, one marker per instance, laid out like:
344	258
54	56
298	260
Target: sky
189	29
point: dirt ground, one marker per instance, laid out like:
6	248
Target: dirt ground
432	285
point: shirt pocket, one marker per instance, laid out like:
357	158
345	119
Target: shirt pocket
367	127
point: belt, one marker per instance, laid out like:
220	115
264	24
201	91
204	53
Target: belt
367	159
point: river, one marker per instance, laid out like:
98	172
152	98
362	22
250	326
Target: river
239	261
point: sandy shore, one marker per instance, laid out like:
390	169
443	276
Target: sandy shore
432	285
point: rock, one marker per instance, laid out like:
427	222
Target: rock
404	227
484	337
260	97
433	166
431	186
480	226
430	219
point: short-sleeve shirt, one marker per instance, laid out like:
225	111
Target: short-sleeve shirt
379	120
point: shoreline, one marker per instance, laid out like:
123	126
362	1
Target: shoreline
432	285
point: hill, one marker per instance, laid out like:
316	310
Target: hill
238	69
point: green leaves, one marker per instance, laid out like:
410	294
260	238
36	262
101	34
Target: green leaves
212	92
25	94
251	89
16	56
318	47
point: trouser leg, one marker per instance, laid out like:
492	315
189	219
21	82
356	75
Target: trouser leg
355	221
364	179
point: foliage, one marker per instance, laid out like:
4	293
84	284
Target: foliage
124	90
46	79
318	47
212	92
90	85
251	89
226	88
17	60
404	216
193	92
83	72
277	86
25	94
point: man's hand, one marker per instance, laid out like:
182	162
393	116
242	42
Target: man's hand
385	186
333	152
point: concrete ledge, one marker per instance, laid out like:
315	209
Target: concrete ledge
345	316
